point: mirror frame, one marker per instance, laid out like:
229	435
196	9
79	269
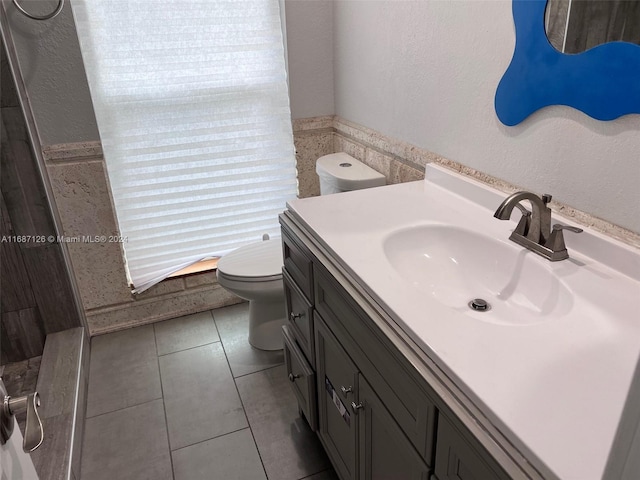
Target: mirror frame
603	82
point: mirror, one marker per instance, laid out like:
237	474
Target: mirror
601	81
578	25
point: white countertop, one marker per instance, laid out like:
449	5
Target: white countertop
555	387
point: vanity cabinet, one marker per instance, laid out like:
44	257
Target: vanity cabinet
374	412
337	402
457	458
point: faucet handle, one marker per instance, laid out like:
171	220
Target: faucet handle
557	227
556	241
33	432
546	198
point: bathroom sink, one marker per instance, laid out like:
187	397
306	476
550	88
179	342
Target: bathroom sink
456	266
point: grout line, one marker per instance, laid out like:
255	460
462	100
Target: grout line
258	371
212	438
164	407
123	408
316	473
244	410
189	348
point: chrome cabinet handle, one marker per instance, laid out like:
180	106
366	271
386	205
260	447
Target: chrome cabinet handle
347	390
33	432
356	406
292	377
295	316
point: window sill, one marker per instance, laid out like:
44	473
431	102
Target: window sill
198	267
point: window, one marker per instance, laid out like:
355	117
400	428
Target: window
193	111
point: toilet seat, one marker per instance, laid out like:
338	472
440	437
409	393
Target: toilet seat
256	262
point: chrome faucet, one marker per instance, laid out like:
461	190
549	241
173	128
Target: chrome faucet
534	228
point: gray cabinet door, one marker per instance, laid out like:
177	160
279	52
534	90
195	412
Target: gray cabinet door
385	453
460	457
337	378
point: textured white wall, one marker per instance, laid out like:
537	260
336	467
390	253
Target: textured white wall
310	50
53	73
422	71
426	72
51	63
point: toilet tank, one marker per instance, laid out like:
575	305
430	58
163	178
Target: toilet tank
340	172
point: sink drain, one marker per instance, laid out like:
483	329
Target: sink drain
479	305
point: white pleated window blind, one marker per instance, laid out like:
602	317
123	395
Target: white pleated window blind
193	111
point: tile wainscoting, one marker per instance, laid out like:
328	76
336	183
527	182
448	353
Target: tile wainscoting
79	180
400	162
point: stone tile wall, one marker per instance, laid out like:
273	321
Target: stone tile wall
400	162
79	179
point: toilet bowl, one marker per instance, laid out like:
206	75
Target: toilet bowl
254	272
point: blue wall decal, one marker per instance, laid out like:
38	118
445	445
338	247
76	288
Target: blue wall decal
603	82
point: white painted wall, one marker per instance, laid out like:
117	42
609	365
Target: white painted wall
422	71
309	28
51	63
426	72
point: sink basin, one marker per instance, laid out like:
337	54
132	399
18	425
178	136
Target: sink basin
455	266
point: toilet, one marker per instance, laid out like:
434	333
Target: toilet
254	272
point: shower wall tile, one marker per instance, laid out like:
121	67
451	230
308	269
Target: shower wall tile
21	334
52	287
16	286
20	182
8	94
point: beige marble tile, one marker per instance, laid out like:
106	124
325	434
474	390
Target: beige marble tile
309	147
72	151
398	148
84	204
313	123
170	285
156	309
401	172
342	144
380	163
200	279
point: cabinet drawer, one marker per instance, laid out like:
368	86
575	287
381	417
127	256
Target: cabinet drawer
460	457
387	370
302	378
300	315
297	263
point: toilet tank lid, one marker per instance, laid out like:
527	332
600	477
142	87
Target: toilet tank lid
260	259
347	173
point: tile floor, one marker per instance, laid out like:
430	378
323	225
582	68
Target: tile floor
189	399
